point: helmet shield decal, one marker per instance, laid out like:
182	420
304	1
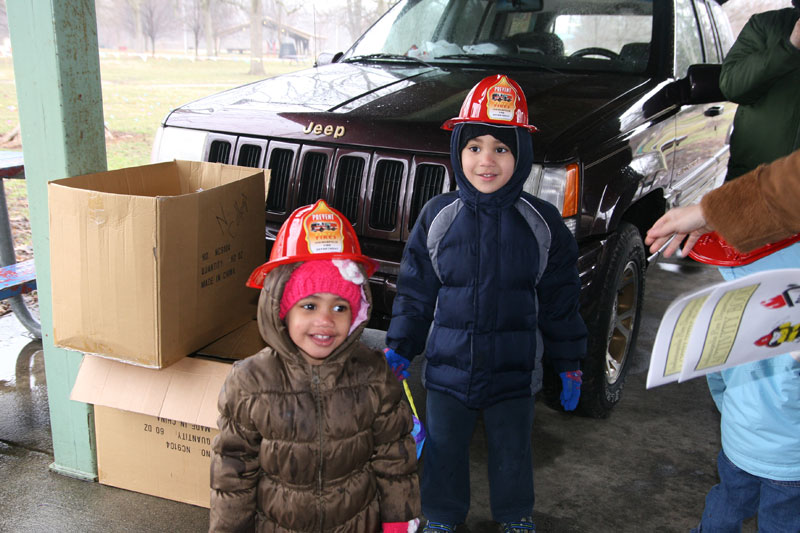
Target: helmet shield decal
500	101
323	230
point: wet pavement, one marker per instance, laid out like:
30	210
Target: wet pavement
647	468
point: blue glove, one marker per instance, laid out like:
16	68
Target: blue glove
397	363
570	389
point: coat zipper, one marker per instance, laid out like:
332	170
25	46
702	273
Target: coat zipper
318	406
475	317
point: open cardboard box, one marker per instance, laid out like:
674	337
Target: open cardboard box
154	427
149	263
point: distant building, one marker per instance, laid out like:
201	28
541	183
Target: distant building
291	43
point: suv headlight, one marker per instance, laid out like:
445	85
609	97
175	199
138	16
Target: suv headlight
178	143
560	186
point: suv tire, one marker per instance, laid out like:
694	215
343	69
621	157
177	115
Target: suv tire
614	325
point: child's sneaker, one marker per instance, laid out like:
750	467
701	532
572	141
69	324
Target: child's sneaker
520	526
438	527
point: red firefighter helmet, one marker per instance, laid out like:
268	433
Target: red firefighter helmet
712	249
313	232
497	100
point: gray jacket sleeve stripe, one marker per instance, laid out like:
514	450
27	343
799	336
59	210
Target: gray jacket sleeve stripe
540	230
441	223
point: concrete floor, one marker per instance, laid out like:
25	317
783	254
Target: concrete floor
645	469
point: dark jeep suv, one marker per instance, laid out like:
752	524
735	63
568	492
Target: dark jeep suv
624	93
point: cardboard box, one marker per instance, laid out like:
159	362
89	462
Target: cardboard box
149	263
153	427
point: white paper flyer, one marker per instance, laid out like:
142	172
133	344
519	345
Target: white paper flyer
727	324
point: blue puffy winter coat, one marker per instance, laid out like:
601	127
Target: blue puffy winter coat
496	273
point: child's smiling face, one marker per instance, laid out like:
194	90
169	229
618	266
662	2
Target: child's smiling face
488	163
318	324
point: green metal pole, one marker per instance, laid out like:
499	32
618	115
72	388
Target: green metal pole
57	72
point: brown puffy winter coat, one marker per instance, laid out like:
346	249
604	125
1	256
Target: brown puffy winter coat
311	448
759	207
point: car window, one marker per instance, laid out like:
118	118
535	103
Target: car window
724	30
603	35
707	29
688	46
611	32
399	30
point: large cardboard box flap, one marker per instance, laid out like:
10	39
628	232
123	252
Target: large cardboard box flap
149	263
186	391
154	428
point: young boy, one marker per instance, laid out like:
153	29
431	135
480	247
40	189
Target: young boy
314	432
495	270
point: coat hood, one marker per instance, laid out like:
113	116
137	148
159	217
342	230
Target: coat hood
511	191
274	331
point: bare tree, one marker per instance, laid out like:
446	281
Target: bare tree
381	7
157	18
256	38
208	27
194	20
116	18
140	43
360	14
255	15
278	10
354	16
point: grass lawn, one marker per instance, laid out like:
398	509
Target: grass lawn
138	92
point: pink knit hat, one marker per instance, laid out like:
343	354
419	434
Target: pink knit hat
313	277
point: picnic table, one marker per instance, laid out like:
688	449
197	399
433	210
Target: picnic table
16	279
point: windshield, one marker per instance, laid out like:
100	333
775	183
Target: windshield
561	34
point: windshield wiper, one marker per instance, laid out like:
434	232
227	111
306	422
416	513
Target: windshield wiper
395	57
502	57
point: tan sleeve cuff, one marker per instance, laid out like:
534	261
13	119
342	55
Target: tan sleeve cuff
739	212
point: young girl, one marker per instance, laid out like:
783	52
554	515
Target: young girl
314	432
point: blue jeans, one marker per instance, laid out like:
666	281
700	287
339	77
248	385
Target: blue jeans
740	495
445	472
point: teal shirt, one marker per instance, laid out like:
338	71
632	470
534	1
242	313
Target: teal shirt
760	401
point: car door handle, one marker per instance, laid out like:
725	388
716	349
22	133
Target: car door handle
672	143
714	111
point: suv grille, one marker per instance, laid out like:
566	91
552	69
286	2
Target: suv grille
249	155
219	152
427	184
281	164
312	178
375	204
386	194
348	186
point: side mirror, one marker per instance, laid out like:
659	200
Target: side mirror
703	84
700	86
326	58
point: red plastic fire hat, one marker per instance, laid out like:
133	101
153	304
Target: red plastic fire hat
496	100
712	249
313	232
